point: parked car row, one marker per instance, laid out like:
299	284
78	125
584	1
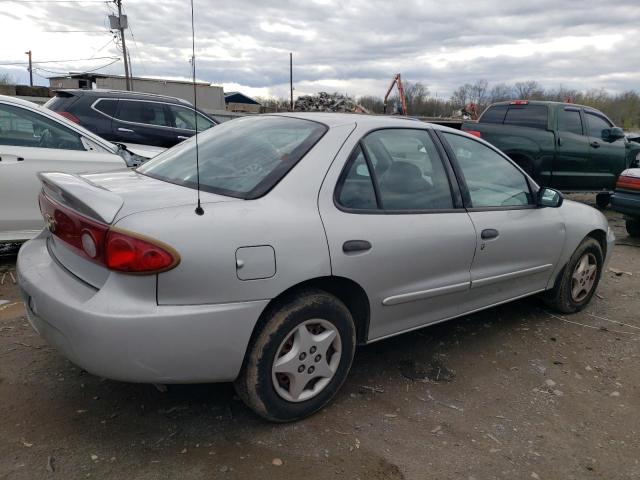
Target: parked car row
317	232
562	145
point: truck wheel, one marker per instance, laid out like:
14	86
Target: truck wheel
579	280
300	357
633	228
602	200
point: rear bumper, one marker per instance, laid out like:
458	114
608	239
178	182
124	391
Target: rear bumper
119	331
626	203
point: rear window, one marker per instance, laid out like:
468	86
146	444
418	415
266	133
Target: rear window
494	114
106	106
534	116
241	158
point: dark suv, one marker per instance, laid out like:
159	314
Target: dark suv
131	117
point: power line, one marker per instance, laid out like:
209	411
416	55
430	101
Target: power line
79	73
52	1
57	61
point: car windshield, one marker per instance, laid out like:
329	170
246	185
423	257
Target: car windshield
241	158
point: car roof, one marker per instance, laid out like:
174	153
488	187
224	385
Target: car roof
105	92
331	119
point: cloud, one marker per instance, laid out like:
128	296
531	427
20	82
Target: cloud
350	46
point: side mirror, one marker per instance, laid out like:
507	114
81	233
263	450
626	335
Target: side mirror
548	197
615	133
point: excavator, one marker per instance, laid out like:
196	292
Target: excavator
397	81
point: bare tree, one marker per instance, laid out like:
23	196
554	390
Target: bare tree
6	79
528	90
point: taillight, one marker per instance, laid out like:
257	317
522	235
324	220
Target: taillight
129	253
475	133
628	182
69	116
116	249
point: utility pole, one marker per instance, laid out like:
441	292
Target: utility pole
122	24
291	80
30	68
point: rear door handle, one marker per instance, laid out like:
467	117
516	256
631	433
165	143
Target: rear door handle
128	130
489	233
595	144
352	246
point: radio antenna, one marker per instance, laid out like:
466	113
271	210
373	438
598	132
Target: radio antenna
199	209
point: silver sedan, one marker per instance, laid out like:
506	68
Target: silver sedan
314	233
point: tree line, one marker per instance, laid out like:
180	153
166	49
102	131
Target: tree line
622	108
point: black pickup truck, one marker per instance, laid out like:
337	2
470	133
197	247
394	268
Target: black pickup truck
561	145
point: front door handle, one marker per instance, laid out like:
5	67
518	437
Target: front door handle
182	137
353	246
489	233
128	130
595	144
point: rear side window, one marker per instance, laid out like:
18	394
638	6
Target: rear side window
494	114
241	158
24	128
106	106
569	121
149	113
356	186
407	172
534	116
185	118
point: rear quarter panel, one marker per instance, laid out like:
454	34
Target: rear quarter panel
286	218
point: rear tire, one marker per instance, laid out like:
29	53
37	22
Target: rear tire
579	280
299	358
633	228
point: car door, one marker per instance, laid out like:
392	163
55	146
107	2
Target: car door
571	160
143	122
396	226
607	157
31	143
184	121
518	244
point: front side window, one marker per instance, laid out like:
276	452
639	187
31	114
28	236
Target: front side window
596	126
149	113
491	179
185	118
407	171
241	158
23	128
569	121
106	106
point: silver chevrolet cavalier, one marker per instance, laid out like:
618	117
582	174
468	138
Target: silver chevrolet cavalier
316	233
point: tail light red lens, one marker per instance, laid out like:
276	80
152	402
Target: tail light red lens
131	254
69	116
116	249
626	182
475	133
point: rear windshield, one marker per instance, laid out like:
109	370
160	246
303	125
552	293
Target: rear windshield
241	158
494	114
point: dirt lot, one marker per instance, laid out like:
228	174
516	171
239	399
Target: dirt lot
514	392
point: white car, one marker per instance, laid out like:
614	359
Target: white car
35	139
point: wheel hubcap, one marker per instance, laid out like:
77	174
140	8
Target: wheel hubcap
584	277
306	360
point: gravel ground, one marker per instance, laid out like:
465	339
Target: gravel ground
512	392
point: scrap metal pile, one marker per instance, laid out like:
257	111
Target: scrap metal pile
327	102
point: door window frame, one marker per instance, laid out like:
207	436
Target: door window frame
454	189
583	121
462	183
148	125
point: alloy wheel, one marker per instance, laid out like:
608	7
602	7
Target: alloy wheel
584	277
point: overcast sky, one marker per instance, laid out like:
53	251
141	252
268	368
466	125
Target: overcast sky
352	47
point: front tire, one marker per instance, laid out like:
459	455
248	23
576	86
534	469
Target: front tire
633	228
579	279
299	358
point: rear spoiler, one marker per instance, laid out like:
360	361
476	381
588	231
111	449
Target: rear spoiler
81	195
